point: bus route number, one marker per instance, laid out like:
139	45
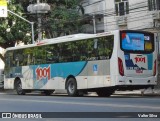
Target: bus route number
43	73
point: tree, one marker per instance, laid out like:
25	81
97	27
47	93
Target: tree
63	19
12	28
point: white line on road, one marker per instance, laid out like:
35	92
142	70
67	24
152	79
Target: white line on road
86	104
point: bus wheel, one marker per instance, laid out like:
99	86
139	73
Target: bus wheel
48	92
18	87
104	93
72	87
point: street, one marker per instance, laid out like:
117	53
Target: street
35	102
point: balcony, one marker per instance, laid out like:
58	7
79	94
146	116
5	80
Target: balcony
122	20
156	15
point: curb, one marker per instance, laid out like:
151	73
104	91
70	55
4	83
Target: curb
139	93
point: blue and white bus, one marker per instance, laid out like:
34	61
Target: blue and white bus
81	63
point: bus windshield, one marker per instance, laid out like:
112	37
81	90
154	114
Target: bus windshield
134	42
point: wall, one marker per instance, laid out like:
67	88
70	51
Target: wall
94	7
110	20
139	16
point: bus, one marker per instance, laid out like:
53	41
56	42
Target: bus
1	79
1	70
82	63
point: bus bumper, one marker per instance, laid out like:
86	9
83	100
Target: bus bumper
137	80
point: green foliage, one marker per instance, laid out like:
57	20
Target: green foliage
63	19
12	28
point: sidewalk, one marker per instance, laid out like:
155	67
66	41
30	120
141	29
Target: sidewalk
147	92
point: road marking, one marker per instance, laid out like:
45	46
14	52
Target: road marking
86	104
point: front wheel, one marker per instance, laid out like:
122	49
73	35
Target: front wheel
18	88
72	87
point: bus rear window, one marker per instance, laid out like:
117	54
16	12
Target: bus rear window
137	42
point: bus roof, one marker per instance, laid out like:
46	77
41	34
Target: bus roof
67	38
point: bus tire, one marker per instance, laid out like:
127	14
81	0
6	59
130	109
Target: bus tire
72	87
18	87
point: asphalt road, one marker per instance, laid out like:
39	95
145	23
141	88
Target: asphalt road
10	102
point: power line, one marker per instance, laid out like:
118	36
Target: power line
137	9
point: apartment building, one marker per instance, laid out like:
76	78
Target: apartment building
106	15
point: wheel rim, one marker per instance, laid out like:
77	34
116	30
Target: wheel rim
19	87
71	87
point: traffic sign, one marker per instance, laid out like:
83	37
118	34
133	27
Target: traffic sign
3	8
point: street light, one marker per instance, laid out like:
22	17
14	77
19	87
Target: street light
38	9
32	23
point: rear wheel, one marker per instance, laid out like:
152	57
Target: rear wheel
18	88
72	87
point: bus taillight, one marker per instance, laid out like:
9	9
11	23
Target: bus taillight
120	65
155	68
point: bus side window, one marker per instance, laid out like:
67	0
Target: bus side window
40	55
105	47
76	53
9	59
92	49
52	54
66	51
18	58
82	48
29	56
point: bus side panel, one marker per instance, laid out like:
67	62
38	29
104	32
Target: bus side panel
27	80
9	83
10	76
50	76
82	78
98	71
114	60
55	83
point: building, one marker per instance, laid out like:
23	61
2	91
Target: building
107	15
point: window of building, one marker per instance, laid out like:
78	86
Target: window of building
153	5
122	7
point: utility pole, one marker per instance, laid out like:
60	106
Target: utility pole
39	24
38	9
94	24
